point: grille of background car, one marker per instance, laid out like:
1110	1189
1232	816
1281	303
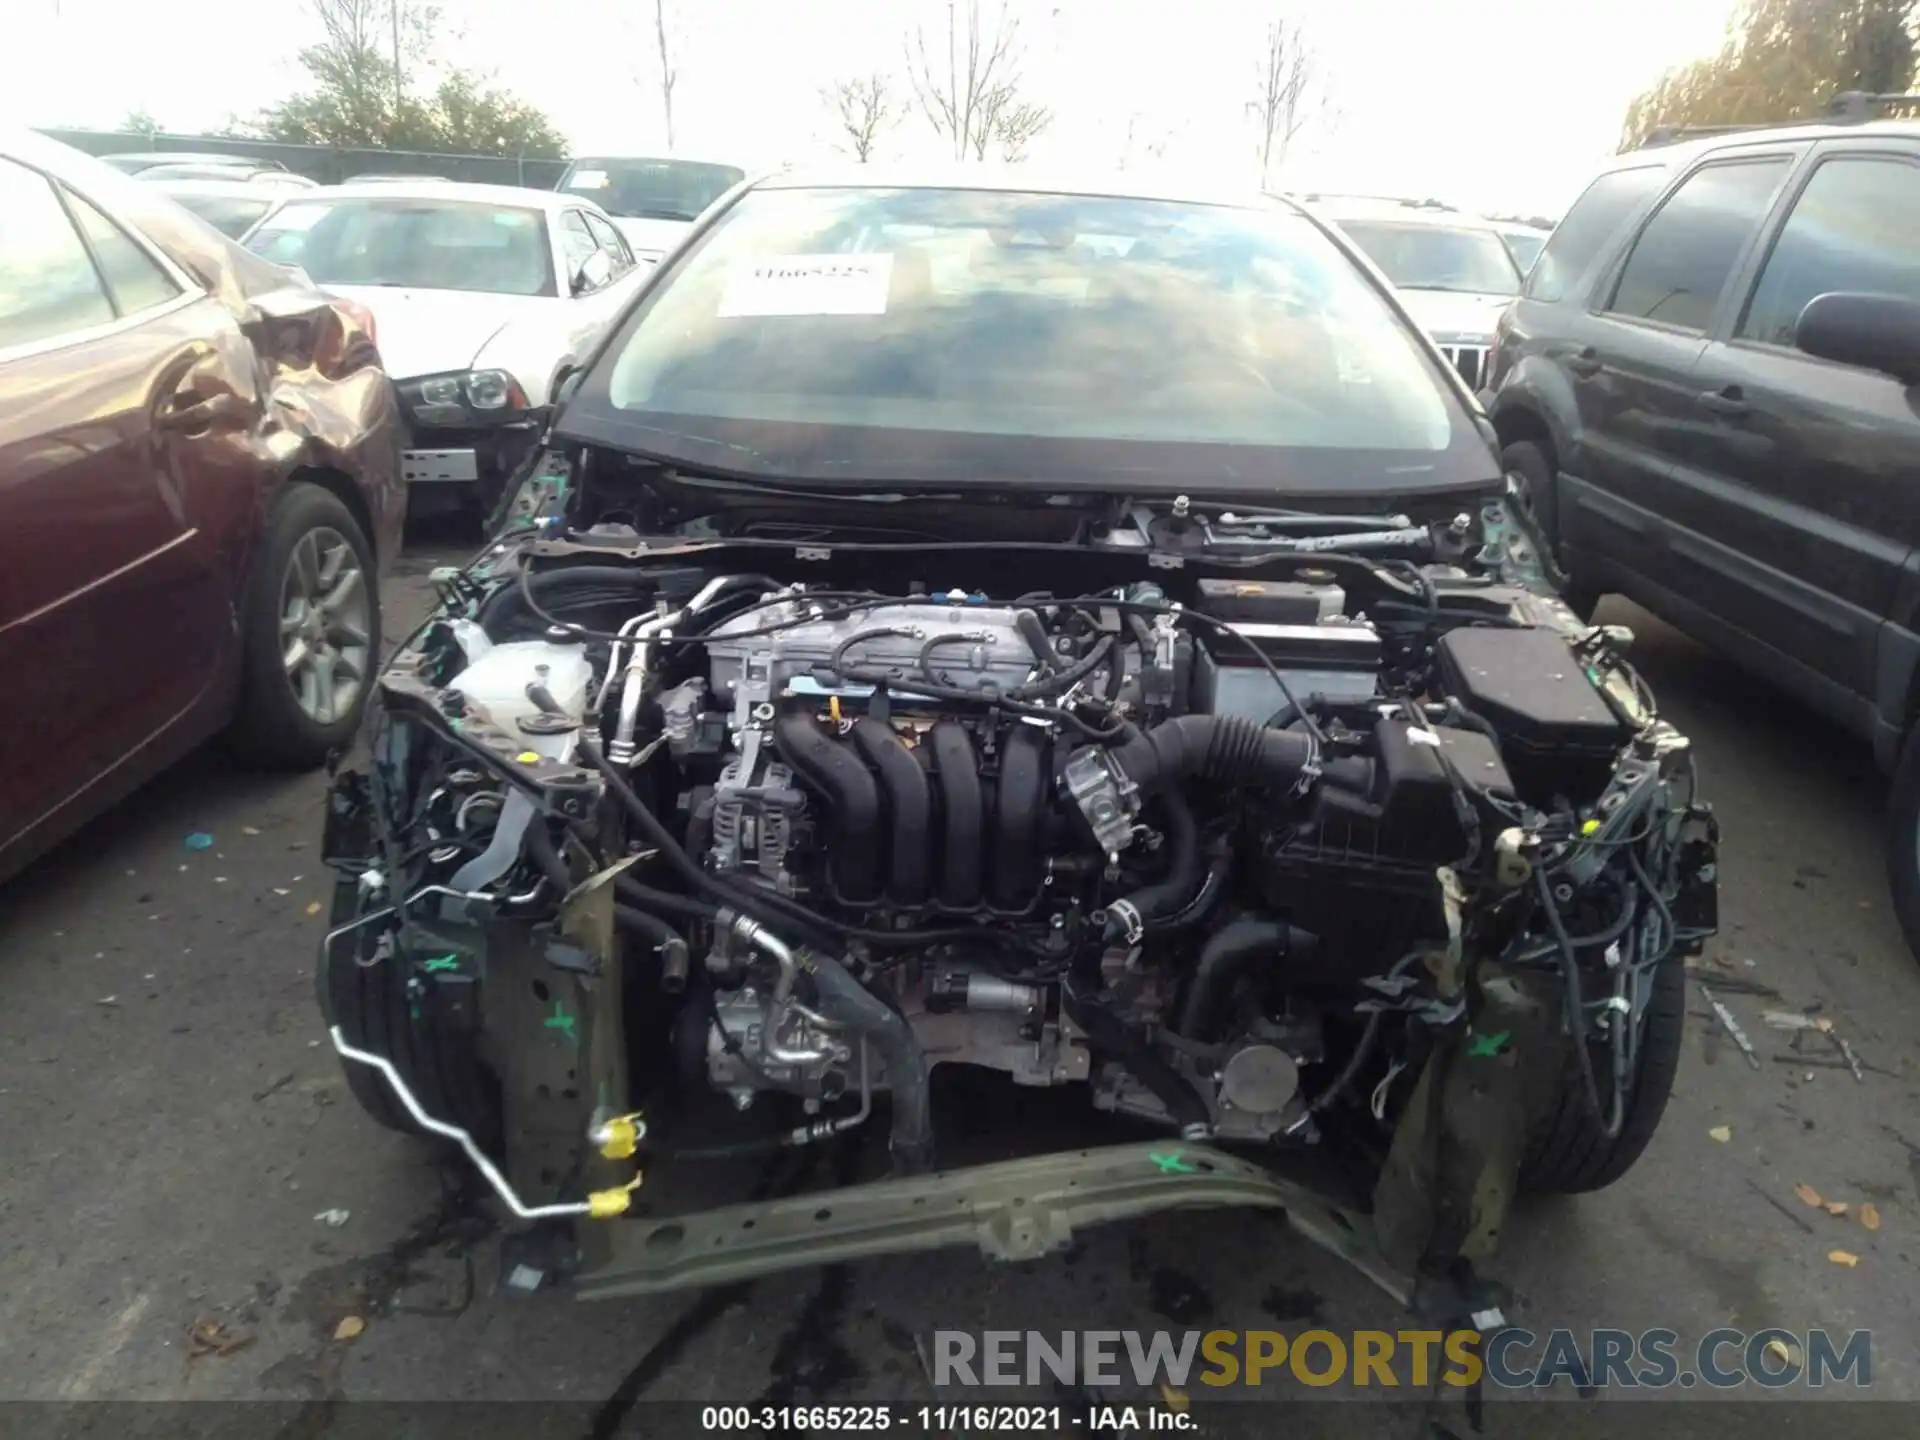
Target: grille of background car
1469	360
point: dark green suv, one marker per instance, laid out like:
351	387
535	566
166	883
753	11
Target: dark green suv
1711	386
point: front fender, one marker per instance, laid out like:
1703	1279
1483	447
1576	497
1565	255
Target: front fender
1536	395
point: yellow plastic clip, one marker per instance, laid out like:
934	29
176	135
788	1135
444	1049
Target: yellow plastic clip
1589	827
606	1204
619	1136
833	708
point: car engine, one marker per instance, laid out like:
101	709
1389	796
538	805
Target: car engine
1238	855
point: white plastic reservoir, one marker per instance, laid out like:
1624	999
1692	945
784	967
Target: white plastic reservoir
496	685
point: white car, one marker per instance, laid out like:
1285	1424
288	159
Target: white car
482	295
654	200
1453	271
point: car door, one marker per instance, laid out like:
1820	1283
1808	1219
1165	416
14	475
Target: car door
114	618
1809	466
1631	367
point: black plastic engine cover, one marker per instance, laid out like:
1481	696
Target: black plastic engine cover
1558	733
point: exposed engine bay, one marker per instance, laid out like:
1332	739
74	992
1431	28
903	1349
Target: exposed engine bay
1267	856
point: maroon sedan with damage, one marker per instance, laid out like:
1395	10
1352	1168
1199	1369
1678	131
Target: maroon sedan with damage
199	485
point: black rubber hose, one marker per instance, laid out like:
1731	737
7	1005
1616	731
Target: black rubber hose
507	604
1035	634
1229	749
540	849
961	818
1138	1058
854	837
1182	880
650	898
657	932
909	809
660	936
1212	885
840	997
1062	680
1016	863
1228	953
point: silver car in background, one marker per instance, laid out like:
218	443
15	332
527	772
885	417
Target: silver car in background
1453	270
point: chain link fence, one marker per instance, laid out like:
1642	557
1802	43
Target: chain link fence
327	165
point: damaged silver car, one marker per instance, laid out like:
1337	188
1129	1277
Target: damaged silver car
1077	641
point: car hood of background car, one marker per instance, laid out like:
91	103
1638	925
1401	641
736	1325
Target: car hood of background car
433	332
1451	314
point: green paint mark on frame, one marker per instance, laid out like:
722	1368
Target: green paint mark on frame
1174	1164
563	1022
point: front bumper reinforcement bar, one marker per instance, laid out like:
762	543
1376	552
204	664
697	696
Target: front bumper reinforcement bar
1011	1210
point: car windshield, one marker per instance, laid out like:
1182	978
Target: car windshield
917	322
428	244
1437	257
231	215
650	189
1526	247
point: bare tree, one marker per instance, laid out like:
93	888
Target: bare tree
1008	124
669	72
1142	142
968	87
864	109
1285	92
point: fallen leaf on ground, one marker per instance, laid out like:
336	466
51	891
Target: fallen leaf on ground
1176	1399
1809	1195
249	830
1823	1025
1843	1257
1870	1215
1722	1133
1836	1207
215	1337
353	1325
313	907
1780	1348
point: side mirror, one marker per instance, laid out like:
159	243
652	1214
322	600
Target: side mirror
564	387
1875	332
595	271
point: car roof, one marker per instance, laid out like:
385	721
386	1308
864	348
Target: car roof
1025	179
614	157
453	191
1683	151
193	157
1515	227
1397	212
238	189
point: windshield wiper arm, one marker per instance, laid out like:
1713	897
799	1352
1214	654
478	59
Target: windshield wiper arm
1312	520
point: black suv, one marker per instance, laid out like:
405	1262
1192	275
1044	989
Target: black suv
1711	389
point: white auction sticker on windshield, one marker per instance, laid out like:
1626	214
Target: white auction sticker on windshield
808	285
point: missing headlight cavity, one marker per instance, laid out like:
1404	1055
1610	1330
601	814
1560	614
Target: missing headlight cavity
1389	860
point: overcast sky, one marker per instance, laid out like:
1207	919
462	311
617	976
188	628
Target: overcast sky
1495	104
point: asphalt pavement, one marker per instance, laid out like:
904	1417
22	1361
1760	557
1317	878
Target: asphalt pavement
174	1126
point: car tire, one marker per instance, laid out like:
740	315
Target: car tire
315	585
368	997
1567	1148
1903	840
1534	464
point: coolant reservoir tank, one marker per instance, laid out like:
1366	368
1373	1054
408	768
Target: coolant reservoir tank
498	685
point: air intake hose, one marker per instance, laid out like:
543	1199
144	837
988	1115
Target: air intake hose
1228	749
